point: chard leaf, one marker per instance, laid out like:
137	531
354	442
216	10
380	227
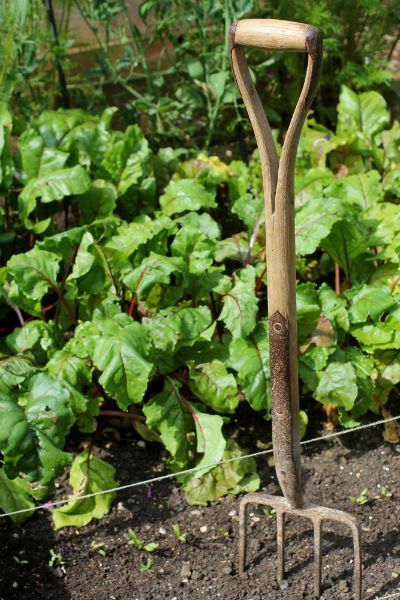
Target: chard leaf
89	474
54	186
314	222
155	269
362	189
376	337
309	185
250	358
175	327
15	494
364	114
333	306
34	429
369	301
98	202
196	248
39	338
214	386
240	304
308	310
14	369
337	385
168	412
211	442
121	353
31	276
231	478
185	194
249	208
74	374
345	243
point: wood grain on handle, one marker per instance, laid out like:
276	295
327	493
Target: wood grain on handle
272	34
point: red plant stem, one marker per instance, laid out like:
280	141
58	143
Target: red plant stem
97	390
132	306
259	280
337	279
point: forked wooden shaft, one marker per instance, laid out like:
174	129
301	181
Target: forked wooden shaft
278	185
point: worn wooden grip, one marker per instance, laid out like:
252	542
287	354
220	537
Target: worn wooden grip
273	34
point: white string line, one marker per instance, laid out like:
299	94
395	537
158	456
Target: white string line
49	505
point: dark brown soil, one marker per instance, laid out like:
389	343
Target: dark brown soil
205	565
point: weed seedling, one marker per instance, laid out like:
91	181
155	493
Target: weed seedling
384	492
20	561
141	545
269	512
56	559
180	535
98	547
147	565
361	499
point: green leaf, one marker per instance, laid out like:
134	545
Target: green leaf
250	358
337	385
54	186
38	338
168	412
91	269
15	495
249	208
31	276
347	242
175	327
308	186
89	474
214	386
376	337
120	353
98	202
155	269
363	189
35	159
196	248
364	114
15	369
314	222
210	441
74	374
185	194
369	301
240	304
308	309
333	306
34	430
234	477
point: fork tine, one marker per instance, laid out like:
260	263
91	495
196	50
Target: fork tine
280	524
357	561
242	535
317	556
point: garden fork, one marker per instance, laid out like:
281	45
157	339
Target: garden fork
278	185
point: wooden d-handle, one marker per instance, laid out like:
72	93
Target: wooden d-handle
272	34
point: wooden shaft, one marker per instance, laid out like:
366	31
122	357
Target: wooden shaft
278	185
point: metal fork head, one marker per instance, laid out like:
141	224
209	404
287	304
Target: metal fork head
317	514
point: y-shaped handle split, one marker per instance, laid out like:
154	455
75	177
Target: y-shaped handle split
278	184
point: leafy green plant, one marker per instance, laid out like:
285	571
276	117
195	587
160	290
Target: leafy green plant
140	544
135	283
180	535
56	558
98	547
146	566
361	499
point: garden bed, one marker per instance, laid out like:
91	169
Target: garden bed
205	565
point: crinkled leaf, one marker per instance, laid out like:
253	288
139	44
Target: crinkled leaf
240	304
155	269
121	353
314	222
361	114
196	248
308	310
34	430
309	185
14	369
362	189
15	494
98	202
249	208
333	306
89	474
368	301
214	386
250	359
337	385
346	242
39	338
233	477
185	194
169	414
175	327
31	276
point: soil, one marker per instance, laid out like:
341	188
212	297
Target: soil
205	565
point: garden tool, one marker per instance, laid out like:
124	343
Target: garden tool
278	185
